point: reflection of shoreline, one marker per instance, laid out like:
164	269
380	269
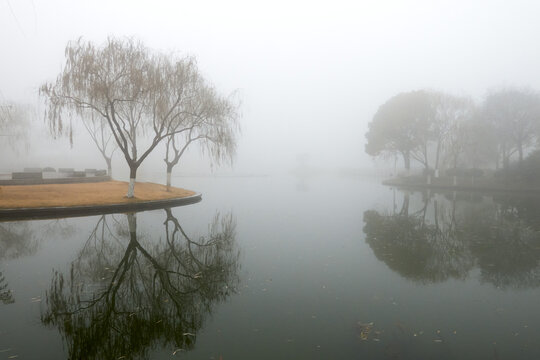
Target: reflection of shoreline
450	236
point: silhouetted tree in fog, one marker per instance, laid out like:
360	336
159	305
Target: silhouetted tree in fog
210	122
101	135
402	126
14	124
514	115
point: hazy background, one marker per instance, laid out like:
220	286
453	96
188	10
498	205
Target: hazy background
310	74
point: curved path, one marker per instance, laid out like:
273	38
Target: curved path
86	210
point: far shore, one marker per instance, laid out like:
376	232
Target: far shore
487	184
84	194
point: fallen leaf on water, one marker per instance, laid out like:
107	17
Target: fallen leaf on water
437	340
364	329
177	350
188	334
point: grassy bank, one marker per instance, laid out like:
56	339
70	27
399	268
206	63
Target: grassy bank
84	194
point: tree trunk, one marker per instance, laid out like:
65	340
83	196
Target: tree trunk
505	158
405	206
132	177
109	166
132	224
437	155
169	173
407	161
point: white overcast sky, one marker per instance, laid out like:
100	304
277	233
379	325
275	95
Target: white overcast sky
310	74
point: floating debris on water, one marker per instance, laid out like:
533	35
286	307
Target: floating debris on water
364	330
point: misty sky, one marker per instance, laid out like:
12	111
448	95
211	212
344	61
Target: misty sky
310	74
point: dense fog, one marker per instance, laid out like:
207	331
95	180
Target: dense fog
309	75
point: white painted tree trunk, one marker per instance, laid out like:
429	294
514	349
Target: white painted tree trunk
131	189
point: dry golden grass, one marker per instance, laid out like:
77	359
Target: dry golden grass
100	193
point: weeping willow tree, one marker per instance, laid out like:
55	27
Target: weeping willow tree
211	124
127	293
14	124
141	95
100	133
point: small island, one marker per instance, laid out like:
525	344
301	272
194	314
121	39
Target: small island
54	200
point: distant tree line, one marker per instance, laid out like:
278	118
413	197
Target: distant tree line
442	131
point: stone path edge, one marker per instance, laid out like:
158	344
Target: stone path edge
88	210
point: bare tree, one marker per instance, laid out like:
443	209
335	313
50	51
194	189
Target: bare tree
450	113
140	94
515	115
101	135
14	124
211	123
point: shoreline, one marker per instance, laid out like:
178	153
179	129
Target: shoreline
70	200
481	186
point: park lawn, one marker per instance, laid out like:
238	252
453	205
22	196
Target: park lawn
83	194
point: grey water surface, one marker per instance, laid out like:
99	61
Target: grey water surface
279	268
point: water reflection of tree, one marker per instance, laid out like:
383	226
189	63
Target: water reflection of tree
127	293
415	249
6	296
454	236
22	238
505	245
16	240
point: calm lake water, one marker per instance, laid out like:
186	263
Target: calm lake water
279	268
